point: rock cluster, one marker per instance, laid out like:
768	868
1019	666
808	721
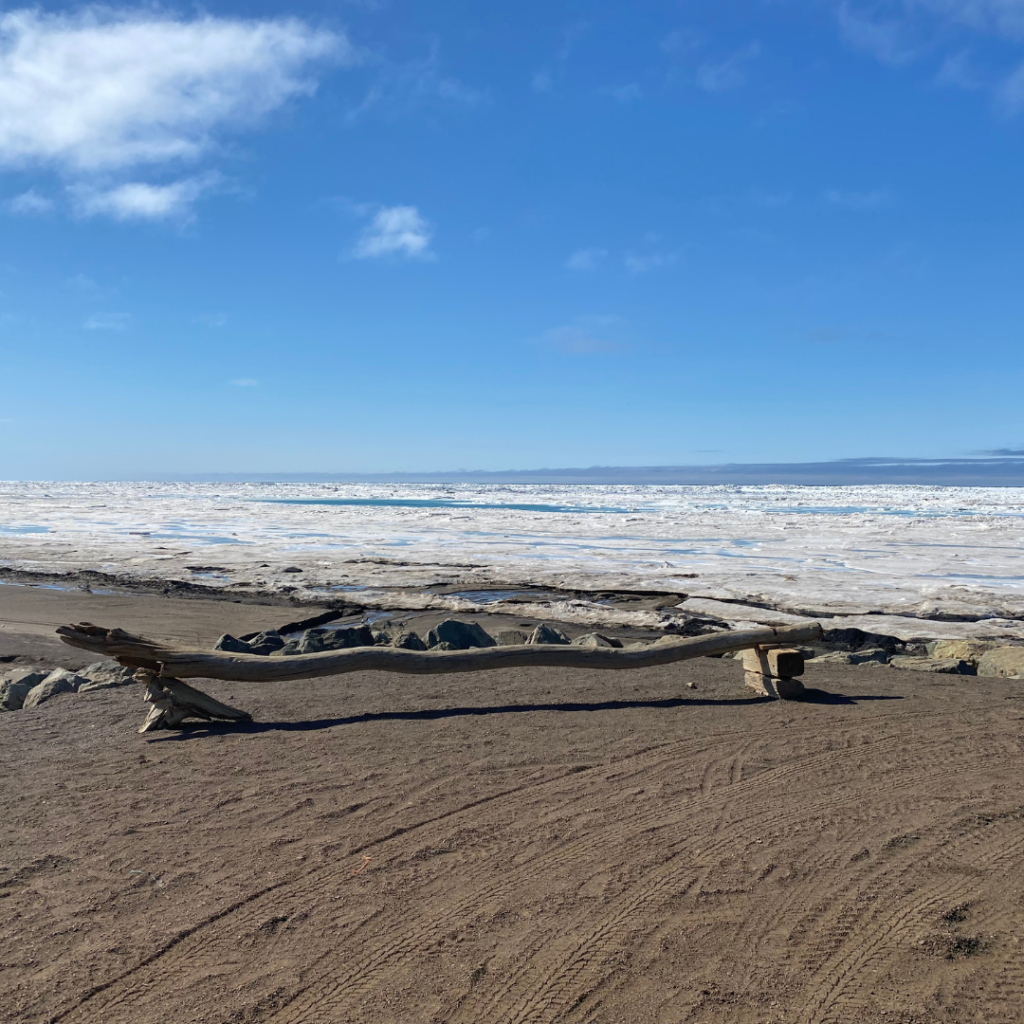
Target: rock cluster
450	635
950	657
30	687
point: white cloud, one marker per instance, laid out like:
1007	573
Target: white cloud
244	382
541	82
729	73
137	200
585	259
873	200
396	231
107	89
107	322
28	203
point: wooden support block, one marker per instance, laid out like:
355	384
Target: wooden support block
770	671
785	662
757	673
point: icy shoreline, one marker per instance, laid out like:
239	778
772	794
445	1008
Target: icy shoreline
908	560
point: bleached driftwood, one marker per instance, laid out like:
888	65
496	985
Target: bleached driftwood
164	665
173	701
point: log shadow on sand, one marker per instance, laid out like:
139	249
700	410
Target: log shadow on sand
191	730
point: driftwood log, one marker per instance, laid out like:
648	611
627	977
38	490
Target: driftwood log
162	666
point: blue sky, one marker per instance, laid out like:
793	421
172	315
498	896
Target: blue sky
380	236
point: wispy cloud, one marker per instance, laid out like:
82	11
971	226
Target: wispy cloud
624	93
108	322
958	69
585	259
29	203
244	382
1004	18
903	31
876	199
641	263
395	231
571	35
1010	93
731	73
137	200
409	86
212	319
885	40
541	82
682	41
83	283
588	335
104	91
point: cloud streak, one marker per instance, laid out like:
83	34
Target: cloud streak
107	322
29	203
730	73
585	259
137	200
863	201
913	29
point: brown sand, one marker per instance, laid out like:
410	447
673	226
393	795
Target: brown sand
515	846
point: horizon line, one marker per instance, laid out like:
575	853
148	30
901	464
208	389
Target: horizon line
1000	467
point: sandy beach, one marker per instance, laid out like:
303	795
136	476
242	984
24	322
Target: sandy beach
519	845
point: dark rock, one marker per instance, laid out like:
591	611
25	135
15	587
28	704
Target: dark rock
443	645
409	642
266	643
545	634
511	637
314	641
232	645
1007	662
698	627
382	638
461	635
105	674
59	681
14	689
292	568
867	656
856	639
596	640
948	666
